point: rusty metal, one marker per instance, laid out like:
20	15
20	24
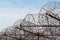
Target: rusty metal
40	25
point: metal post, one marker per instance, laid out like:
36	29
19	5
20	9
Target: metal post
38	34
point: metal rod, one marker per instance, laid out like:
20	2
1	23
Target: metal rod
40	25
52	16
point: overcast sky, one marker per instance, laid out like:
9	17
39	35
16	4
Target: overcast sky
12	10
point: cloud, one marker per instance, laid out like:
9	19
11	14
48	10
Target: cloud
12	10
